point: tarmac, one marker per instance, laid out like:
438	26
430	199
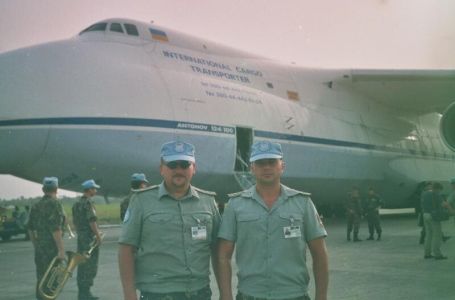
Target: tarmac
392	268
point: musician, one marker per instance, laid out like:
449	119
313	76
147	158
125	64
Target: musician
84	219
45	228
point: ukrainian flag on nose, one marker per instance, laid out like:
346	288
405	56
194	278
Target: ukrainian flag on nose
158	35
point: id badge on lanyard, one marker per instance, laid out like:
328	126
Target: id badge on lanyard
292	231
199	232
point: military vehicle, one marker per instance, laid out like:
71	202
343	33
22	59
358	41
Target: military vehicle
12	221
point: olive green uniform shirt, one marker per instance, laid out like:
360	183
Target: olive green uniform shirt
46	217
174	238
271	244
124	205
83	214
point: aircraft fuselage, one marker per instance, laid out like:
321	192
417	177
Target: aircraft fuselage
101	104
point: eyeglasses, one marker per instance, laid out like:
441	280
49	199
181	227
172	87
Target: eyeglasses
183	164
266	161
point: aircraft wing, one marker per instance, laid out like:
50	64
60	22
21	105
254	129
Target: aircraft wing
421	91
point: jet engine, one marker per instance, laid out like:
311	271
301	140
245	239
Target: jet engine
447	126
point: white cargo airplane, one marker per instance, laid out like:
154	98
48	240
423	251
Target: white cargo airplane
100	105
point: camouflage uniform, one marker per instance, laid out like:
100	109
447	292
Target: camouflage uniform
124	205
372	205
353	214
46	217
83	214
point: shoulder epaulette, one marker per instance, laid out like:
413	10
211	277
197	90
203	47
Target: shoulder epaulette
305	194
233	195
204	191
153	187
297	192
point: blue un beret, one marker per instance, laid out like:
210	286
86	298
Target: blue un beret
50	182
173	151
265	149
139	177
90	184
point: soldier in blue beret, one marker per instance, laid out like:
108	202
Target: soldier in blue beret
138	181
169	233
271	225
84	219
45	229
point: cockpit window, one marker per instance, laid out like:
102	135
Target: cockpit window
116	27
95	27
131	29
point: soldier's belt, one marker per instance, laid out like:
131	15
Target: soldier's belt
204	293
241	296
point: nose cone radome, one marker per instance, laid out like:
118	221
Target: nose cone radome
20	147
21	100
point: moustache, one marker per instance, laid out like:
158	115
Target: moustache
178	176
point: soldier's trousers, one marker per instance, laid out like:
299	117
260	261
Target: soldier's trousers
353	223
202	294
374	223
433	238
86	272
44	254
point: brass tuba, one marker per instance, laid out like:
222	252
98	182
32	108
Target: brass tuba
59	271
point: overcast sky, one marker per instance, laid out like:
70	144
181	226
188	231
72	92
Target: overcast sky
324	33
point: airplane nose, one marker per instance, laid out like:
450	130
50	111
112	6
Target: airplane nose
21	147
49	88
21	143
29	85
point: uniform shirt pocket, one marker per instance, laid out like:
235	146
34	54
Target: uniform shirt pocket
248	217
159	218
291	217
250	225
159	229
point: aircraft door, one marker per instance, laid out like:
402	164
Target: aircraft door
244	140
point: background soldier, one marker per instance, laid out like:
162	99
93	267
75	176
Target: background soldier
450	203
428	186
169	233
45	229
451	198
372	205
16	213
353	214
432	200
138	181
84	219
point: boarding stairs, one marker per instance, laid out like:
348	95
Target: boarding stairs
244	179
243	175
